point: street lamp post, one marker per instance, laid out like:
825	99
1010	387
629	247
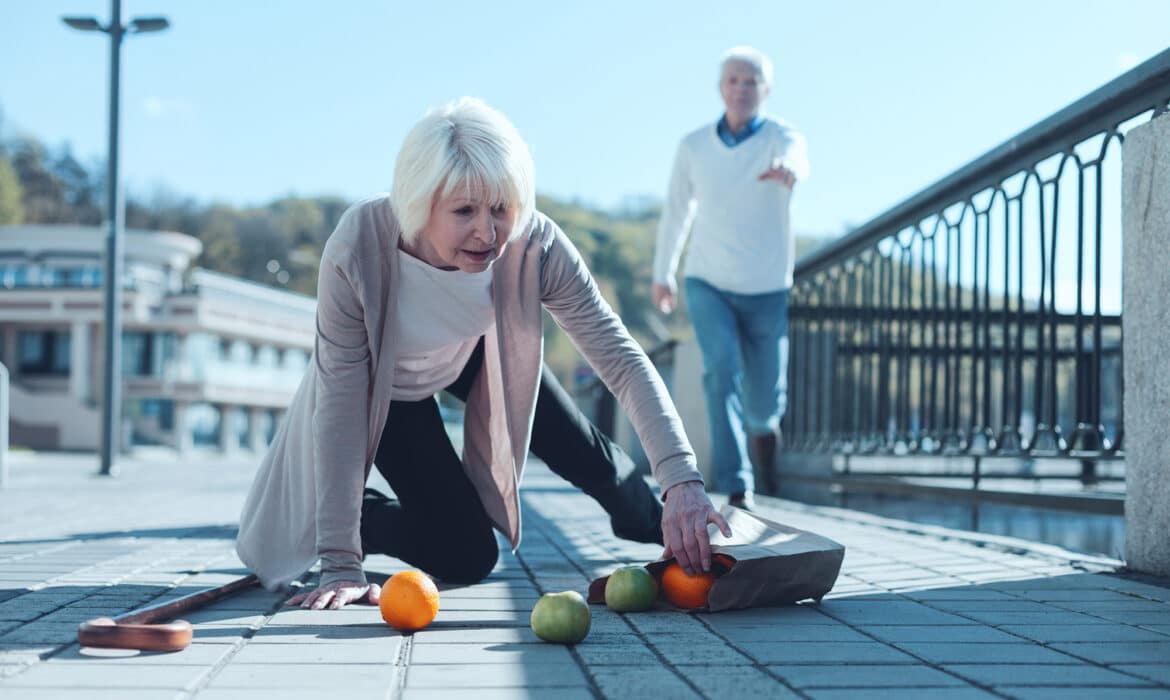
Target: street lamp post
112	373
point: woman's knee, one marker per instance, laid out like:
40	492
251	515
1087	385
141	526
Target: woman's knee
466	561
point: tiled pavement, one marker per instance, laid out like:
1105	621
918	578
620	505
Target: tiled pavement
917	613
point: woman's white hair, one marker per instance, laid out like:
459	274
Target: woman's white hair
464	144
751	56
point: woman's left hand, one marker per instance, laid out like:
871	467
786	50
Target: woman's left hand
685	516
337	595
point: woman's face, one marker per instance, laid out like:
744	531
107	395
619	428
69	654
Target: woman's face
464	232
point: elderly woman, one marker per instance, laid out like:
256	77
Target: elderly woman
439	287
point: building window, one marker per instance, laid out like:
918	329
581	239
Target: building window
45	352
137	354
81	277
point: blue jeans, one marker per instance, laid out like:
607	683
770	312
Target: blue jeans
744	341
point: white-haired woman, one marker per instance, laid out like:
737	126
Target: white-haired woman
439	287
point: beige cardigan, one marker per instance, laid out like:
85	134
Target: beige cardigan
305	502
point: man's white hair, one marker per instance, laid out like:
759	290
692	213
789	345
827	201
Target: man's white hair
464	144
751	56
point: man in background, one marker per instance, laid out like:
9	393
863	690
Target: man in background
730	190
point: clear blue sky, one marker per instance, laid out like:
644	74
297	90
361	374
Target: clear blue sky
244	101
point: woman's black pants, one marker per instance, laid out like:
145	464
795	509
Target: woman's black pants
436	521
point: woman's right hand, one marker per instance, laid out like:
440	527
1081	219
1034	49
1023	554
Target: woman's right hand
337	595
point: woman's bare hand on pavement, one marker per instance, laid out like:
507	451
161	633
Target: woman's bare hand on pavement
337	595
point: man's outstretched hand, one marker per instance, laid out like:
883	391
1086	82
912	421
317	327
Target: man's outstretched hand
685	516
337	595
780	174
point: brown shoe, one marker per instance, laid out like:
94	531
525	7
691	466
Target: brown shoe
742	500
763	455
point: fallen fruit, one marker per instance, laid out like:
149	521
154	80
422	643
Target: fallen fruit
630	589
561	617
688	592
409	601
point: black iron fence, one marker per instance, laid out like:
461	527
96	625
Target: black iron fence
981	316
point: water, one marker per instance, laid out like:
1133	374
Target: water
1086	533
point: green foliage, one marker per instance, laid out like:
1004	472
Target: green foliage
11	193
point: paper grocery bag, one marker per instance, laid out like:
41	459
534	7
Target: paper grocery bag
773	564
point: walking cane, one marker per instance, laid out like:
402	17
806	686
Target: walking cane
140	629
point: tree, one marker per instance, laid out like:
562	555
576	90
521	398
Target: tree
11	194
44	195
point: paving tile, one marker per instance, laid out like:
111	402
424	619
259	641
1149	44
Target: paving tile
825	653
995	606
453	676
689	653
1036	674
94	693
641	682
1056	617
737	683
1134	617
300	634
522	654
195	655
1094	693
217	634
908	613
1119	652
960	593
106	676
952	693
1159	673
381	651
493	693
793	633
960	653
300	676
368	693
867	677
1047	634
622	654
232	618
481	635
787	615
938	633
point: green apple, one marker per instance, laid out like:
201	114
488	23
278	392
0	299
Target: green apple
561	617
630	589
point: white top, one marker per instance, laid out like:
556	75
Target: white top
740	238
441	315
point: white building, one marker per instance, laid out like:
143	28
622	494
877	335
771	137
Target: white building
207	359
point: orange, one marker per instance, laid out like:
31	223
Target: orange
409	601
690	592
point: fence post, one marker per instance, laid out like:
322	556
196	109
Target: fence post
1145	203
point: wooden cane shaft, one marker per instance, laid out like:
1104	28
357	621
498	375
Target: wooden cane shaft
139	629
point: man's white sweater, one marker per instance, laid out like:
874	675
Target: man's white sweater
740	240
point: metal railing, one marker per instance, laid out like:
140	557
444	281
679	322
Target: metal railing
599	404
982	316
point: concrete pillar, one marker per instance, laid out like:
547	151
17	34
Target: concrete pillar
79	369
182	439
228	440
257	440
1145	202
